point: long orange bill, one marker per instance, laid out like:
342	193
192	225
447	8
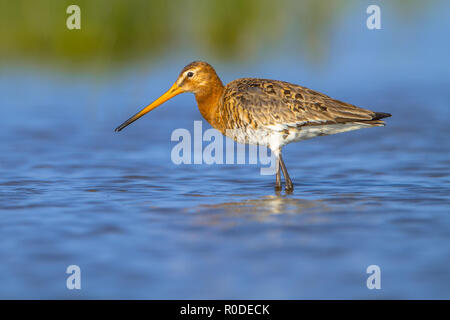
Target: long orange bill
172	92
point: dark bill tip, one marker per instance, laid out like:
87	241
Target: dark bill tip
119	128
126	123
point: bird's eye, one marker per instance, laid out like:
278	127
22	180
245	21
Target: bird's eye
190	74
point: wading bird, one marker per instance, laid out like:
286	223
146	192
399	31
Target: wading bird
266	112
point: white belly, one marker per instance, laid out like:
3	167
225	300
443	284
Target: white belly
277	136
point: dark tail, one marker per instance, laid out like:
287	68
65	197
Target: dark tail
381	115
375	121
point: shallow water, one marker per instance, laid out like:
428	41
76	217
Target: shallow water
72	191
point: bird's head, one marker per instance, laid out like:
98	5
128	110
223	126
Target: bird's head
197	77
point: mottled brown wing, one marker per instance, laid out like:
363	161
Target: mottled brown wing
263	102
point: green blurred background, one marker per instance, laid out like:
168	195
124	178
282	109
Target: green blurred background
118	32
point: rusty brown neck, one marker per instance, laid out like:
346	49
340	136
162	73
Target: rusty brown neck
208	99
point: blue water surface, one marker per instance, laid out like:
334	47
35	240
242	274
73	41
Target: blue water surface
72	191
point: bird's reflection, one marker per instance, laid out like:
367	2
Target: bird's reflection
265	207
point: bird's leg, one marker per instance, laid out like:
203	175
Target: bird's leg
278	186
289	185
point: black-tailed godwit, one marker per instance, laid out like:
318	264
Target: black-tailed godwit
266	112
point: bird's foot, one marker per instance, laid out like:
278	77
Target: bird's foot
289	188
